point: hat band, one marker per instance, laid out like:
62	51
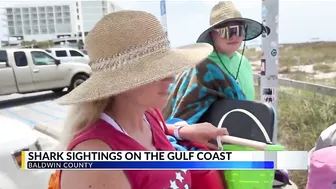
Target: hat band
150	47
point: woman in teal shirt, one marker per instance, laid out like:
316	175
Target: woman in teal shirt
224	74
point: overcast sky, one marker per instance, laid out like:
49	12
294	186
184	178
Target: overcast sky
299	21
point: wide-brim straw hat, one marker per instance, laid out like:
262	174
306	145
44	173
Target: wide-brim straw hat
225	12
129	49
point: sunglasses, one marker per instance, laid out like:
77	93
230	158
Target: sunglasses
227	32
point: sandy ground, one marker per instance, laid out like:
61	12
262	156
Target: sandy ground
302	68
330	75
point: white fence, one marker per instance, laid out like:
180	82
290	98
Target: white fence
321	89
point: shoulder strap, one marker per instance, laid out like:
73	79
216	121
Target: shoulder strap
157	116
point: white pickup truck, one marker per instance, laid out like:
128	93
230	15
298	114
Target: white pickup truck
69	55
33	70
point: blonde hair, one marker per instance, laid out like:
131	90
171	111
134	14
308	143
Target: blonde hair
81	117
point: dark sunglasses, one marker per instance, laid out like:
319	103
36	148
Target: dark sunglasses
226	32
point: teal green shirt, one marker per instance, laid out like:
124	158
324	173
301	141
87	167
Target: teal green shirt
245	75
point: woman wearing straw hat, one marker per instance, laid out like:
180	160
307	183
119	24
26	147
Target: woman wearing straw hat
117	107
224	74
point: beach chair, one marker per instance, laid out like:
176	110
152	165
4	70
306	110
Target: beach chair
239	124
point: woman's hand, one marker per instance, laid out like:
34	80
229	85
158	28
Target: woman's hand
202	133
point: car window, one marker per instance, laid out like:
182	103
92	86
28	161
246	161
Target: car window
49	51
75	53
42	58
61	53
4	57
20	59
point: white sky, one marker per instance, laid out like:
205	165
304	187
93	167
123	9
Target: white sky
299	21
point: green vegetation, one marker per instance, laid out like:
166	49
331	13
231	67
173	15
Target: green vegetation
325	68
80	44
302	117
35	44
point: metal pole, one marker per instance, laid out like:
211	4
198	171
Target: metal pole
77	21
164	16
269	61
81	21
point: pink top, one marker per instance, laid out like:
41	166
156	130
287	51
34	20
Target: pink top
322	169
119	141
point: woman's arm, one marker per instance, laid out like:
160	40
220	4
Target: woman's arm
93	179
200	133
174	129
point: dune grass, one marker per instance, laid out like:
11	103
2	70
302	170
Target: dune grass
325	68
301	54
302	117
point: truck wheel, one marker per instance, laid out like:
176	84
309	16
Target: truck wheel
76	81
58	91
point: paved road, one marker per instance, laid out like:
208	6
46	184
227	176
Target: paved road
32	108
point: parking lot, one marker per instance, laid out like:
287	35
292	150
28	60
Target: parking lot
36	109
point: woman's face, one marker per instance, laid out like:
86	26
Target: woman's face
153	95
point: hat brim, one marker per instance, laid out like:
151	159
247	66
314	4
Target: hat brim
254	30
140	72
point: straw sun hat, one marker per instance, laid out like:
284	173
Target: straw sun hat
225	12
128	49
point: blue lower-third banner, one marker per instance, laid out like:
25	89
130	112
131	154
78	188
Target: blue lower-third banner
150	165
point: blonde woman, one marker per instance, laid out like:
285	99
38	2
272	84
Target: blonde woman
117	107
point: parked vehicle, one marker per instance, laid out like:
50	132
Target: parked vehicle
16	136
33	70
69	55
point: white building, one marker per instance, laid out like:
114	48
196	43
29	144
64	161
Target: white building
51	20
88	13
